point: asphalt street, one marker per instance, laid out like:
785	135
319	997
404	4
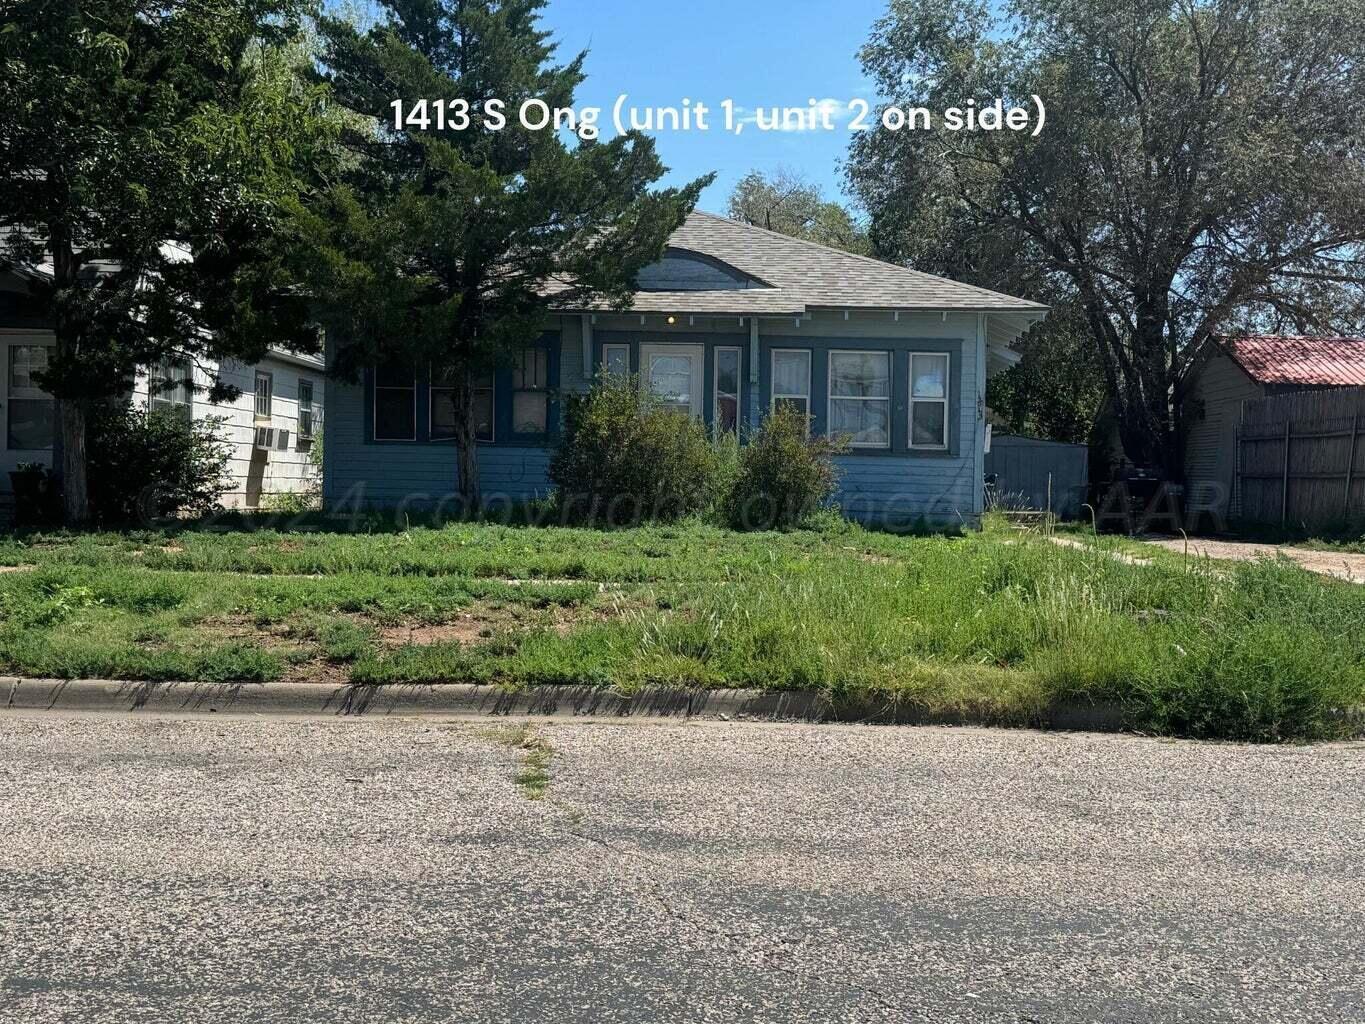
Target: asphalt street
213	868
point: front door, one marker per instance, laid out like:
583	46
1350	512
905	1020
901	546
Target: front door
677	374
26	410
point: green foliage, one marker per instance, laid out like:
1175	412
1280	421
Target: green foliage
1057	389
148	465
437	247
147	142
784	474
1197	174
625	459
999	626
790	205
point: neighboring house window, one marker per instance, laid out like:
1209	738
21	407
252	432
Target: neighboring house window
791	379
860	397
530	392
726	390
442	426
30	423
395	403
616	359
928	400
169	387
305	408
265	385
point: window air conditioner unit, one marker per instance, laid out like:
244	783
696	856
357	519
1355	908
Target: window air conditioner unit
282	440
265	438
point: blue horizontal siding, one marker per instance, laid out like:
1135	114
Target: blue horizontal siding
878	489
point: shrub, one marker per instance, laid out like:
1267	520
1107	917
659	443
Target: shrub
147	465
625	458
784	474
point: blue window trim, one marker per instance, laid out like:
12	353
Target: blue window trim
503	436
819	348
900	349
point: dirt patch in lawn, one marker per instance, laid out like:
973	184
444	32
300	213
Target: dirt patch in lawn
1341	564
467	629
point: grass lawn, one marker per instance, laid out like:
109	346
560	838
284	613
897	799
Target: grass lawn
996	624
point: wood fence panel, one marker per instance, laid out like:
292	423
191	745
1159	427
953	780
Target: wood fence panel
1301	458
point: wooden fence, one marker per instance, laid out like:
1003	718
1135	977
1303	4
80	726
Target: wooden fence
1301	458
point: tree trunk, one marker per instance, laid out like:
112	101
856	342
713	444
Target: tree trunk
75	489
466	447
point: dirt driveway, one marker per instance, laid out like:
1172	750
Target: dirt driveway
1330	563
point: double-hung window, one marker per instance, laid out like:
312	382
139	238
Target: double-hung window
30	420
791	380
265	386
169	387
305	409
395	402
928	400
726	390
531	391
860	398
442	395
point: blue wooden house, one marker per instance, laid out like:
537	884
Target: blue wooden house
732	321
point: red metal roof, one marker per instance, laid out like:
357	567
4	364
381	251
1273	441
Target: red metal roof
1299	359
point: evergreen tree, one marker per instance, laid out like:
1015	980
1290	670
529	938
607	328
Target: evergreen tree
440	240
146	149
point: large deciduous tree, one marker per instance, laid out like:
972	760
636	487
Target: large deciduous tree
789	204
146	150
1202	170
439	243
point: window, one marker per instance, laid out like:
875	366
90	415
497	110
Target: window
616	359
265	384
530	392
169	387
726	390
929	400
791	379
442	426
30	422
860	397
305	408
395	403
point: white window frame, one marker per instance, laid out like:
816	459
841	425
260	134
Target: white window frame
739	386
180	394
269	379
831	397
491	388
374	407
305	435
912	401
536	352
26	394
774	397
612	346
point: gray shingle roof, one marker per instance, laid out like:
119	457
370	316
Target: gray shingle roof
806	275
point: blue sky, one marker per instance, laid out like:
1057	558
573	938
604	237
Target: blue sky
756	52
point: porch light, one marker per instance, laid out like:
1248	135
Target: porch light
673	320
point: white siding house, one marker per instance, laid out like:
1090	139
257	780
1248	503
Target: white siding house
272	425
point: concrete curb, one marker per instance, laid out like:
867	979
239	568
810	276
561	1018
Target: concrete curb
18	693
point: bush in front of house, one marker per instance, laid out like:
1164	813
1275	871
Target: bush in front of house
784	475
150	465
626	458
